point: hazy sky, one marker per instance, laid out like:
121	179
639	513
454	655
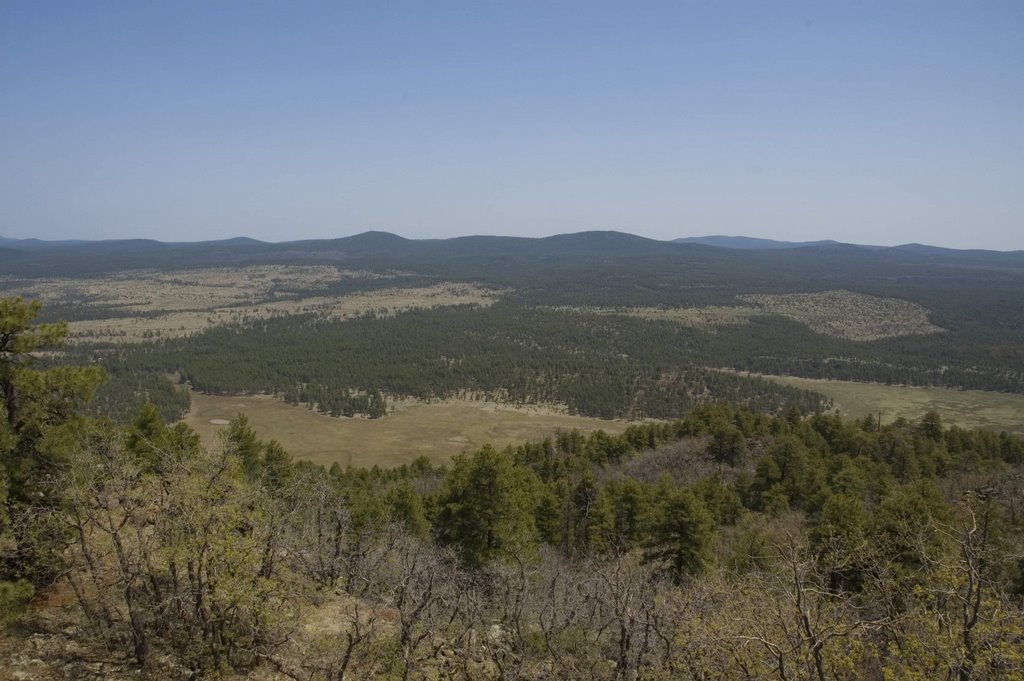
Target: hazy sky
872	122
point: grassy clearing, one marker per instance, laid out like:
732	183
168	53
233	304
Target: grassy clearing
186	322
842	314
199	289
436	430
179	303
965	408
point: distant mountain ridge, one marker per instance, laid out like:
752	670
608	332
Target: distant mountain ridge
751	243
119	244
32	244
382	240
34	257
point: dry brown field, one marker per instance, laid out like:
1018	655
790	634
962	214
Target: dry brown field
179	303
384	302
965	408
437	430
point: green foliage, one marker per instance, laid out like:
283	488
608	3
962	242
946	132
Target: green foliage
14	598
31	400
487	507
909	522
126	391
721	500
790	468
158	446
240	441
193	548
407	509
276	466
681	535
931	426
728	444
38	418
633	513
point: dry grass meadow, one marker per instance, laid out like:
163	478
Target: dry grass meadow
197	289
965	408
387	301
437	430
180	303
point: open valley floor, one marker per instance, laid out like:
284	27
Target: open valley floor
438	430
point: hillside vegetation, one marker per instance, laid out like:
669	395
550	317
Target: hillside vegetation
724	544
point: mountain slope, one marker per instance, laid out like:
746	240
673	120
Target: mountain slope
748	242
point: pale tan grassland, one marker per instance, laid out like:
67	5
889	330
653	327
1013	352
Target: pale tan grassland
437	430
198	289
965	408
183	302
182	323
843	314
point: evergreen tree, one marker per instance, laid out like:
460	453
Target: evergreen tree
728	445
38	409
487	507
407	509
277	466
240	441
681	537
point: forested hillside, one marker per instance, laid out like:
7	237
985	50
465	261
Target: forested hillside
722	544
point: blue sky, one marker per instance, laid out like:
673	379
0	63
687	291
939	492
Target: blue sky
885	122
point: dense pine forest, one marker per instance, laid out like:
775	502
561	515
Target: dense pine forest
596	365
727	543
